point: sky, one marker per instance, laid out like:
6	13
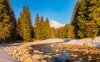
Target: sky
58	10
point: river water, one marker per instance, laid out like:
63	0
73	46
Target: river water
60	54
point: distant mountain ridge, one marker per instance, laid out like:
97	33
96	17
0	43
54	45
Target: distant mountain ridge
55	24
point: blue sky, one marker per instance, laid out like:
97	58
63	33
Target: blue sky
58	10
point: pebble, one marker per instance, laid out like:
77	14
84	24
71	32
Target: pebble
38	52
38	57
57	50
74	55
49	57
52	45
28	60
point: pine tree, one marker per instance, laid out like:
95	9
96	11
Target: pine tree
42	29
7	21
66	30
54	33
47	29
98	16
73	25
36	27
25	25
87	19
62	32
39	29
72	31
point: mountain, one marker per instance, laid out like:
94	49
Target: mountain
55	24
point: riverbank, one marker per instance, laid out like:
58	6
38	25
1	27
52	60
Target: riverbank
85	41
25	52
4	55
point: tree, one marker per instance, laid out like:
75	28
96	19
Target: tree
39	28
87	19
73	25
47	29
25	24
36	27
62	32
53	32
98	16
7	21
42	29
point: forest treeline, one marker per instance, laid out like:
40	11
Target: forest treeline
85	22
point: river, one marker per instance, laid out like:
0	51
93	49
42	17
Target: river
60	54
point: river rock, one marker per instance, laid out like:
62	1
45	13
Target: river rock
85	44
60	59
38	52
28	60
38	57
89	58
52	45
74	55
57	50
49	57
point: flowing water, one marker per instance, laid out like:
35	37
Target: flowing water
60	54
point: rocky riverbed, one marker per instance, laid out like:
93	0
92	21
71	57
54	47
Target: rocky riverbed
62	51
54	52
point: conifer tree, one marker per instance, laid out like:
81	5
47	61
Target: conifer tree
73	25
62	32
98	16
36	27
87	18
47	29
66	30
7	21
25	25
39	28
53	32
72	31
42	29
